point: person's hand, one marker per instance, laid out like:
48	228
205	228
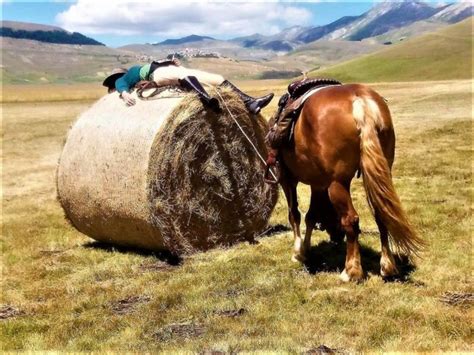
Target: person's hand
127	97
176	62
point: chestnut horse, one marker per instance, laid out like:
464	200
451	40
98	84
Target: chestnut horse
343	130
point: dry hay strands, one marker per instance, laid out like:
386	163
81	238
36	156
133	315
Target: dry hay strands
458	298
8	311
324	350
184	330
165	174
128	304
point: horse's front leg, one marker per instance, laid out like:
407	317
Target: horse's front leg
289	188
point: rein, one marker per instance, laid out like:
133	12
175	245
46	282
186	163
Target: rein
143	86
245	135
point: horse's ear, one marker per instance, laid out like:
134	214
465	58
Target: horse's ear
305	76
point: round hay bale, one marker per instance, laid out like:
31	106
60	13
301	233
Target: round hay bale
165	174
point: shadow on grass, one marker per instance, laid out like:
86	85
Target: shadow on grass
164	255
274	229
330	257
167	256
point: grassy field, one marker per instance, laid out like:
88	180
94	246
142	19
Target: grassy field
441	55
322	54
61	291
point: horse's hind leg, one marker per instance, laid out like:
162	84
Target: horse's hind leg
322	211
341	199
311	218
388	266
329	219
294	216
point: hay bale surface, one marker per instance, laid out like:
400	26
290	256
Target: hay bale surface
165	174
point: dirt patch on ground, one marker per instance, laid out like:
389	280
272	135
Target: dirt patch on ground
231	313
216	352
458	298
7	311
128	304
323	349
157	266
184	330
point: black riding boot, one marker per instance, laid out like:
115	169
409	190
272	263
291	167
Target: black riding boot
253	104
193	84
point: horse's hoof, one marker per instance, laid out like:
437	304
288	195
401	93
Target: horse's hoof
388	268
298	258
344	277
389	275
353	275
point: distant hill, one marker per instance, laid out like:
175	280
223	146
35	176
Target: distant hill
315	33
36	53
441	55
322	53
455	12
184	40
43	33
386	16
387	21
396	15
402	34
383	18
29	61
283	41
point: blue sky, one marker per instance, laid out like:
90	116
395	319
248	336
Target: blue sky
120	22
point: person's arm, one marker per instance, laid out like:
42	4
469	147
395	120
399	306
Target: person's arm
123	85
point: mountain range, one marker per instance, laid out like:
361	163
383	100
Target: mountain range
43	53
44	33
381	19
382	23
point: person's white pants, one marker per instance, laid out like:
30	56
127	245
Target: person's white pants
170	75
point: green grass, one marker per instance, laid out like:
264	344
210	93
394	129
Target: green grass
442	55
70	288
324	53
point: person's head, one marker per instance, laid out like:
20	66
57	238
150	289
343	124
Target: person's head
109	81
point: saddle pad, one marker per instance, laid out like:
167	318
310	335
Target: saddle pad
295	105
305	96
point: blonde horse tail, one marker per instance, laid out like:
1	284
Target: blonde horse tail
381	195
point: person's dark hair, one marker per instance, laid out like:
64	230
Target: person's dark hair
109	81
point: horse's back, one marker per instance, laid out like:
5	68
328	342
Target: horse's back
327	142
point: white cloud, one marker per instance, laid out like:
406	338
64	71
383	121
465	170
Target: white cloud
177	18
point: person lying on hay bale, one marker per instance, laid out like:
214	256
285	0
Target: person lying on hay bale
172	73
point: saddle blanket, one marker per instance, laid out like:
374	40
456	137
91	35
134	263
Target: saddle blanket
301	100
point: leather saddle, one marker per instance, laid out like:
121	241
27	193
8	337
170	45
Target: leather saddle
299	87
290	106
297	91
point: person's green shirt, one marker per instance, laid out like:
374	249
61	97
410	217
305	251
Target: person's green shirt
133	76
